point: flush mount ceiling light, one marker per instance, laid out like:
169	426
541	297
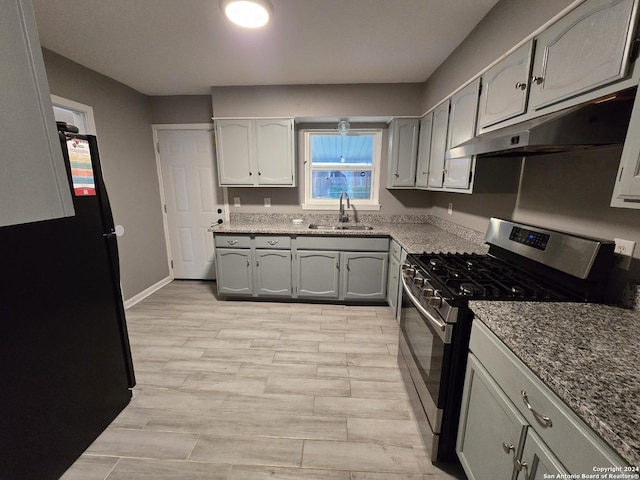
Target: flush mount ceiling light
343	127
247	13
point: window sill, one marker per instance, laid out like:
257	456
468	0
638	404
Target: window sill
332	207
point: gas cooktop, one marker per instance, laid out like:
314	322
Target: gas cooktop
474	277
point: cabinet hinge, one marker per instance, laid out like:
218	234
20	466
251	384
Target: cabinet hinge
165	208
171	264
158	147
620	177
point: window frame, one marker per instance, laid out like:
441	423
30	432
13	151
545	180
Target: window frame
373	203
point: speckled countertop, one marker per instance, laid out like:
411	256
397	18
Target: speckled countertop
413	237
586	353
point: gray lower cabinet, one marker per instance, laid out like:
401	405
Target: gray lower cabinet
259	266
317	274
393	277
491	429
513	426
363	275
233	274
273	273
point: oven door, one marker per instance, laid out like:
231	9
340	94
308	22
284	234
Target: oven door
425	345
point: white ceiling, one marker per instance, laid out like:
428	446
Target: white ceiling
183	47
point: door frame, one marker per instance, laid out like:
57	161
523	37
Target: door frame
156	127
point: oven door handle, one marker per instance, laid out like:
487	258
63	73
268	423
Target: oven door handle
439	324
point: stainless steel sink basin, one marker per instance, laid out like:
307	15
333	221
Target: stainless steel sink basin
315	226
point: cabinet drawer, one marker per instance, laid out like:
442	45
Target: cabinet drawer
235	241
353	244
573	442
395	250
272	241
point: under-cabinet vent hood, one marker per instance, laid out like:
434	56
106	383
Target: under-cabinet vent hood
593	124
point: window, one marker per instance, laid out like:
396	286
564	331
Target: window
337	163
74	113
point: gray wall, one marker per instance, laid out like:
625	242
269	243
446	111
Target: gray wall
321	101
181	109
569	192
123	118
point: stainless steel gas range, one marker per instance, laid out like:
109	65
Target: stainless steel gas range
524	263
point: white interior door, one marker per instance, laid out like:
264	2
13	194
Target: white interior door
186	162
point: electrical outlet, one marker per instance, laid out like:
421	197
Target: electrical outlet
450	209
624	252
236	201
267	202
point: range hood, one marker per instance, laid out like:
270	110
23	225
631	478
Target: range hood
598	123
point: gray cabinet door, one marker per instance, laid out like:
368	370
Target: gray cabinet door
537	462
491	430
403	151
234	275
626	192
463	114
438	144
33	183
505	87
234	147
584	50
364	275
317	273
424	150
274	152
392	283
273	273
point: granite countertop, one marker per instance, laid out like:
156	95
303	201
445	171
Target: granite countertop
413	237
586	353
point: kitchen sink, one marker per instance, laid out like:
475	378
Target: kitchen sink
315	226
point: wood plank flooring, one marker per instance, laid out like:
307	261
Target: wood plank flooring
253	390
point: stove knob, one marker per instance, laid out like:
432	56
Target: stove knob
435	300
410	271
419	281
427	292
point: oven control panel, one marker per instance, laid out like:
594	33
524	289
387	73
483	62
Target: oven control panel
529	237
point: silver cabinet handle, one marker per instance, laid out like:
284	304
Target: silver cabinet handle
521	86
272	242
545	421
507	448
257	263
520	465
232	242
397	174
537	80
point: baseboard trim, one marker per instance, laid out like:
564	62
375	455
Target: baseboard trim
145	293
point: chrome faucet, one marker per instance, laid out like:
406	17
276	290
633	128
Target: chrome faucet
343	217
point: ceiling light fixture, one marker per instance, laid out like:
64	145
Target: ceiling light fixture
247	13
343	127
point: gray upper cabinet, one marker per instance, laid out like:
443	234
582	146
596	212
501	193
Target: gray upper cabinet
234	146
438	144
424	151
505	88
463	114
584	50
33	185
626	192
275	152
255	153
462	127
403	151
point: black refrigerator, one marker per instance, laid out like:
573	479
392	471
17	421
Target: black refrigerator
65	363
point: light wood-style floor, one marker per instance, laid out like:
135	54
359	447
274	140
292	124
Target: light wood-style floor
231	390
